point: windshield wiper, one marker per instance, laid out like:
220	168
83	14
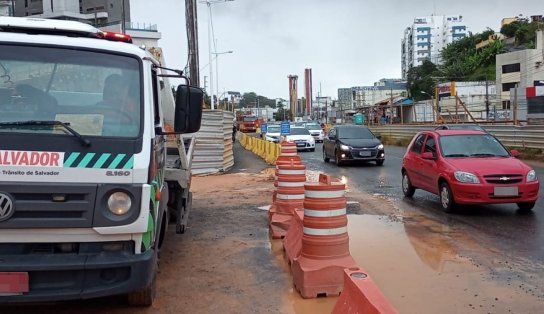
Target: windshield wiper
65	125
483	155
456	155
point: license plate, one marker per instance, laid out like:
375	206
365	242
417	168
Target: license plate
365	153
13	283
505	191
301	144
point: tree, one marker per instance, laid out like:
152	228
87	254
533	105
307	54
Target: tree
422	79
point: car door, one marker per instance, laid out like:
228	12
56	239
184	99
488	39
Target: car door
428	167
412	160
329	142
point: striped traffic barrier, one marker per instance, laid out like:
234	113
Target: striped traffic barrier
288	153
289	196
361	295
318	270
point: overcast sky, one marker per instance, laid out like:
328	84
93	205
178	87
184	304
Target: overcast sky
345	42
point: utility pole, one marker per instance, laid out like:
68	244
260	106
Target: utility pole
123	19
192	34
515	109
391	107
486	99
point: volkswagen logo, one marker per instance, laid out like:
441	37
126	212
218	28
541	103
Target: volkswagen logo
6	206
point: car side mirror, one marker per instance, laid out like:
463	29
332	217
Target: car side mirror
428	156
514	153
188	111
378	136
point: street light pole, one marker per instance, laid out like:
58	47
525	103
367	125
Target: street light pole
212	102
217	70
210	26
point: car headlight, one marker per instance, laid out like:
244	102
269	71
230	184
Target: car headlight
119	203
380	147
344	147
312	141
531	176
466	177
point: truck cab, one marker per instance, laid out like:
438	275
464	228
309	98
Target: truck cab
92	163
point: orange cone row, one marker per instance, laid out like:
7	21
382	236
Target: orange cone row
311	217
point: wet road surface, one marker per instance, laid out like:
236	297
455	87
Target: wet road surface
489	258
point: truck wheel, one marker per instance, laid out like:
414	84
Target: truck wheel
145	297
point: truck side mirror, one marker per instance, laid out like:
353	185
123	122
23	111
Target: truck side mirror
188	111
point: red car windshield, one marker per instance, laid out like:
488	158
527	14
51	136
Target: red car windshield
472	145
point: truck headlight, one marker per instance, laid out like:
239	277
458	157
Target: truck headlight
344	147
466	177
531	176
119	203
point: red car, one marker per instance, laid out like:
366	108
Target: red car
467	167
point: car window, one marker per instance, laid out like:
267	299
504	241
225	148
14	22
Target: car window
313	127
430	145
355	132
299	131
273	129
418	144
472	145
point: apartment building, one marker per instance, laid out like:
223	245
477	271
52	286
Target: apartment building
427	36
515	72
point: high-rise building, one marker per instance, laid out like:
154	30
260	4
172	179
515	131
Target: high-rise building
98	13
427	36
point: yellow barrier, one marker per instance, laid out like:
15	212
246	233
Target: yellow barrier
268	151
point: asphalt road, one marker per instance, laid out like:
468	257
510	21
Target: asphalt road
501	232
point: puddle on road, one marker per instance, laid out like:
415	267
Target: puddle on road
418	269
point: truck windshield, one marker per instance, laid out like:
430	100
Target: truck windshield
97	94
249	119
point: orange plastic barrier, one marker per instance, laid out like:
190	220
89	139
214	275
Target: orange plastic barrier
324	254
361	295
292	243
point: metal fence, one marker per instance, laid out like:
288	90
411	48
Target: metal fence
531	136
213	150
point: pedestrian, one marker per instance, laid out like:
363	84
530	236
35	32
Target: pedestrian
233	132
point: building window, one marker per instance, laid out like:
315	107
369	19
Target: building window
507	86
511	68
505	104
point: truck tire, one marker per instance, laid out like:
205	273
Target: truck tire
145	296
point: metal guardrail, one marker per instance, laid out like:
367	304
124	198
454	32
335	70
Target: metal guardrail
531	136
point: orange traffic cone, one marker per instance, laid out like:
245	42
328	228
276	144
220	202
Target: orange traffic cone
325	252
289	197
288	154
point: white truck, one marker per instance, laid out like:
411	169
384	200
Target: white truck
92	163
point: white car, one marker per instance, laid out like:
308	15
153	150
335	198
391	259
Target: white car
272	133
316	131
302	137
